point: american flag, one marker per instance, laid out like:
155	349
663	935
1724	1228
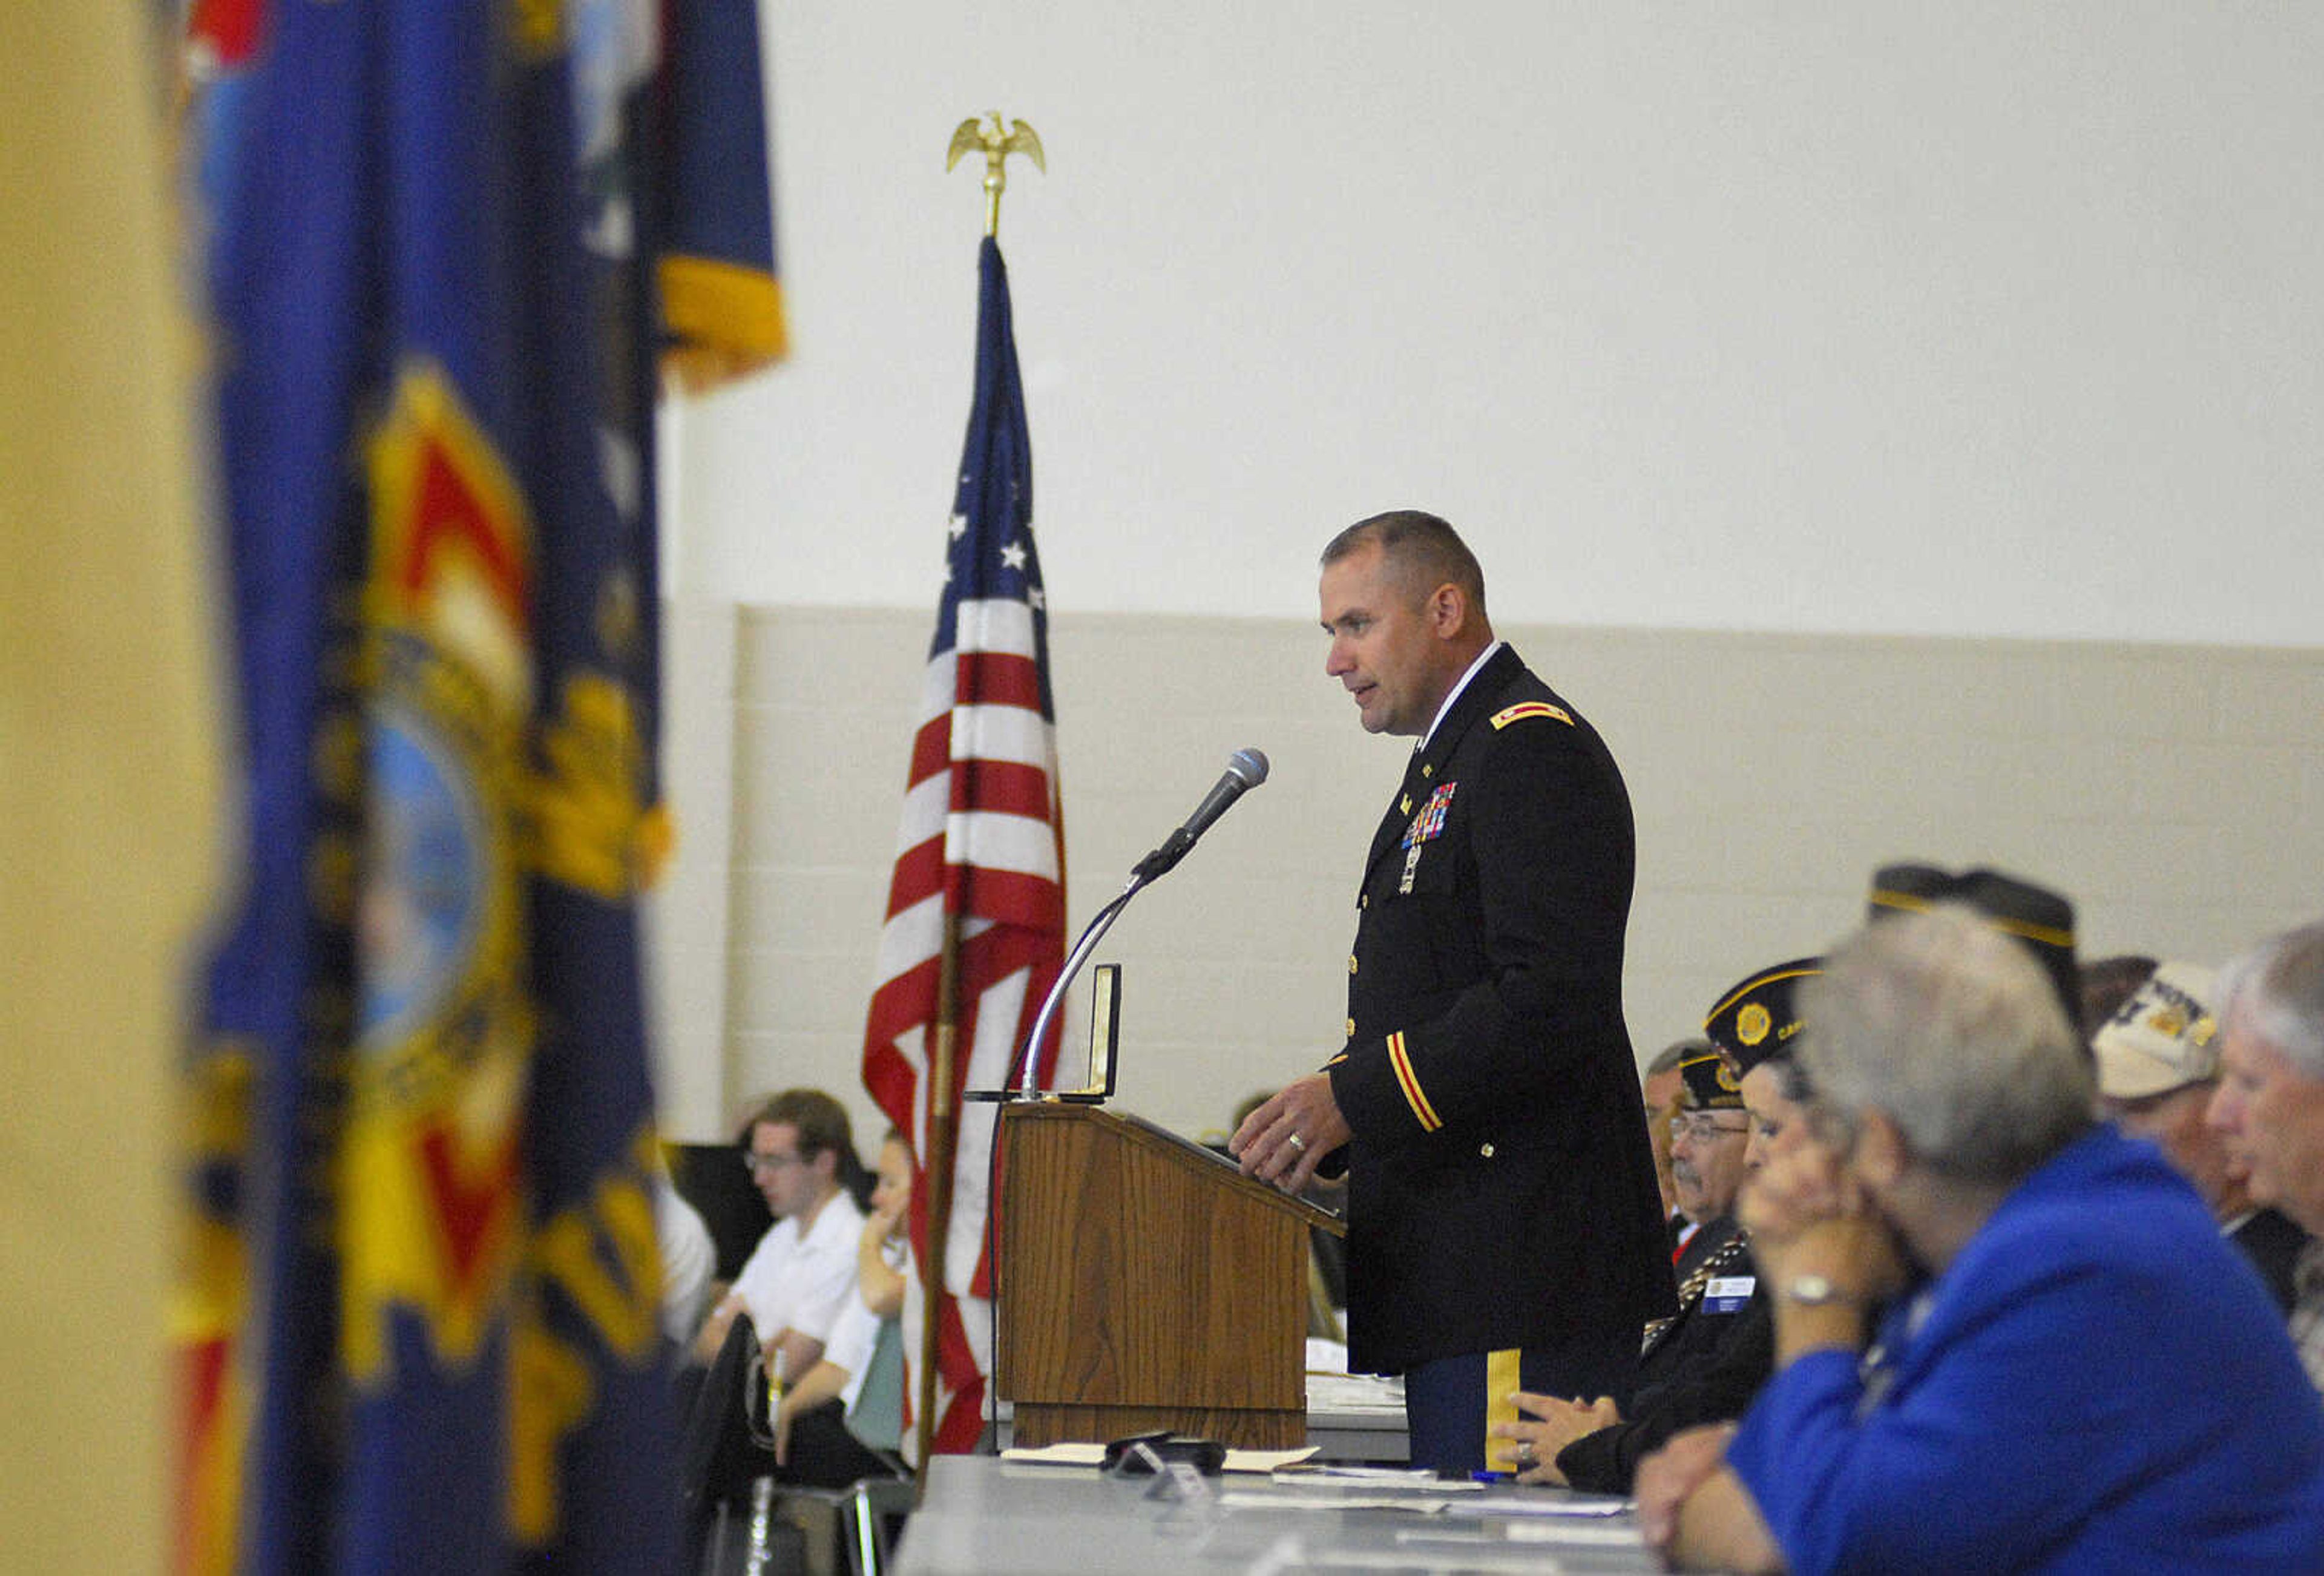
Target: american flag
981	844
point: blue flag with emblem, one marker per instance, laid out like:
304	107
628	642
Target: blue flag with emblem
419	1316
722	304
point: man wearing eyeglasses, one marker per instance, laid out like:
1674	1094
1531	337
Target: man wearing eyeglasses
801	1277
1705	1364
1707	1135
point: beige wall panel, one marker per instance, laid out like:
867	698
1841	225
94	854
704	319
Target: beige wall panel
2177	793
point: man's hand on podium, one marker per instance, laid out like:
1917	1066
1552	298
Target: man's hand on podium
1283	1140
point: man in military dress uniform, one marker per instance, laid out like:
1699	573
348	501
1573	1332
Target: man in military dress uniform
1505	1231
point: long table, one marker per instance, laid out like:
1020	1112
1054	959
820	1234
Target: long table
1349	1419
982	1515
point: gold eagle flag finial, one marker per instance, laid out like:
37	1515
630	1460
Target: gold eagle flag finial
996	145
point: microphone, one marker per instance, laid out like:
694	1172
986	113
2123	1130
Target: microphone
1246	770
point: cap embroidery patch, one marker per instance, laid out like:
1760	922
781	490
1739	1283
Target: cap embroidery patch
1751	1023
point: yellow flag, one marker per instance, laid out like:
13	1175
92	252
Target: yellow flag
108	783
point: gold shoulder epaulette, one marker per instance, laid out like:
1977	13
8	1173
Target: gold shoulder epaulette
1531	708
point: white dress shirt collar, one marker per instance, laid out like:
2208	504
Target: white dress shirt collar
1483	657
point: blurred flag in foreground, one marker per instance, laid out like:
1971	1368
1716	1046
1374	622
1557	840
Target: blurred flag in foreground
418	1314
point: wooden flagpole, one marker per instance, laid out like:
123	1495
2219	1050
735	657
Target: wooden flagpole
936	1164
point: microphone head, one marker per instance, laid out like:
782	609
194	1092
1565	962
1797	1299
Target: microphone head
1248	767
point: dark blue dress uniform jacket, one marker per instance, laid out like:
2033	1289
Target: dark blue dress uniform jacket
1502	1192
1703	1366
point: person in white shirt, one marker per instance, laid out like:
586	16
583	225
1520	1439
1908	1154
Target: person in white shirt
801	1277
689	1261
822	1409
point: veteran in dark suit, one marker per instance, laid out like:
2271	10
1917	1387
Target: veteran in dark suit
1706	1364
1504	1230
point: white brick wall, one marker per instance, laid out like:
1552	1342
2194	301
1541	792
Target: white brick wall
2176	793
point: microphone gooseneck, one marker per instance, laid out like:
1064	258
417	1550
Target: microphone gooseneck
1246	770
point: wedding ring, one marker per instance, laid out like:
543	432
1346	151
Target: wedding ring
1296	1142
1525	1458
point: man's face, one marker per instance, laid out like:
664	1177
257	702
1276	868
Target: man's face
2272	1120
2174	1121
788	1183
1660	1093
1707	1161
1384	648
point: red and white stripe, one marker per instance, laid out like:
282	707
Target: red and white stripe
982	837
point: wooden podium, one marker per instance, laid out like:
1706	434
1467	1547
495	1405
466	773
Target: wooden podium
1147	1283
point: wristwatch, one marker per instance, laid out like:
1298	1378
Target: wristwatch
1817	1291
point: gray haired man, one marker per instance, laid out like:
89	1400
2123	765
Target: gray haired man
2269	1103
2158	1057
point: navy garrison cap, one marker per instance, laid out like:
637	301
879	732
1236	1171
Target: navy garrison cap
2038	918
1759	1016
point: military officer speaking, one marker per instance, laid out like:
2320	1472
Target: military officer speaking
1504	1228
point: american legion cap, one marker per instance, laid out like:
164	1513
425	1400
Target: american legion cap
1711	1084
1757	1018
2164	1037
2039	919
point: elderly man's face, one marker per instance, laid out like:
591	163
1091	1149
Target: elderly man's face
1660	1092
1707	1149
2174	1121
2272	1120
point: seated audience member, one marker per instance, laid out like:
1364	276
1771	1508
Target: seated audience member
1707	1132
2270	1102
689	1262
2035	917
823	1432
2108	983
2083	1378
1707	1362
1659	1090
802	1276
1775	1089
2039	920
2158	1057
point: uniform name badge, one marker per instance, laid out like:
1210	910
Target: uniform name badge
1727	1294
1426	826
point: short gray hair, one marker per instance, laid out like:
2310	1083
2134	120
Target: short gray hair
2279	985
1422	551
1954	1032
